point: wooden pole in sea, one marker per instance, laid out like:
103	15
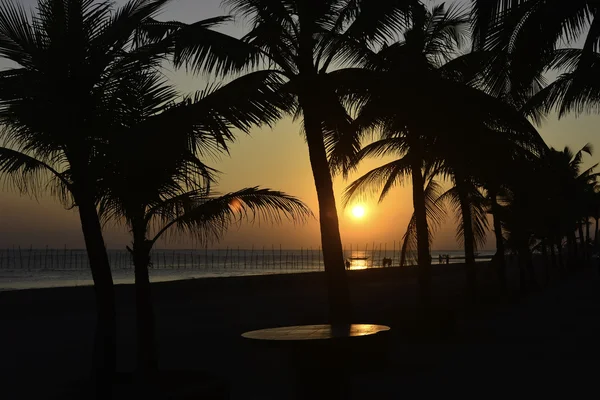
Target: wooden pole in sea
272	256
280	258
373	252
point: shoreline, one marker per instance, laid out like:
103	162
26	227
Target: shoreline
17	279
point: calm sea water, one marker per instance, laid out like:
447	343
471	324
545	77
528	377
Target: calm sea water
38	268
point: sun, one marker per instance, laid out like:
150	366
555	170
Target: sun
358	211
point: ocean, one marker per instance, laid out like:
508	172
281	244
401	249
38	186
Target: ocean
42	268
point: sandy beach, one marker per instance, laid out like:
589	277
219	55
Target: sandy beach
47	335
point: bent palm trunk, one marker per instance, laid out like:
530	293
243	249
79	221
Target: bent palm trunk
333	256
423	254
105	349
469	240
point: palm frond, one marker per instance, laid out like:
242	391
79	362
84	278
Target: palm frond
478	213
27	174
200	48
208	218
379	180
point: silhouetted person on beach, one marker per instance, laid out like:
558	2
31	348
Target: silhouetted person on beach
447	259
347	264
440	258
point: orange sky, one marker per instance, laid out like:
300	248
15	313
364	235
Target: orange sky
277	159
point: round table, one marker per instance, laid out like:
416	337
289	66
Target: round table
323	357
316	332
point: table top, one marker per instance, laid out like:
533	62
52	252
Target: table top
315	332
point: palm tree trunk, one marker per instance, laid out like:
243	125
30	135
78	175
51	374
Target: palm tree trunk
588	250
469	239
147	359
583	249
423	253
572	245
105	346
552	258
546	261
333	256
561	261
596	235
499	257
531	281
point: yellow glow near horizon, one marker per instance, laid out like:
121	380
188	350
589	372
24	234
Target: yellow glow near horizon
358	211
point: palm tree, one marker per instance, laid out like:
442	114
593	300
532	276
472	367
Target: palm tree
196	213
307	42
70	58
524	35
154	179
431	41
425	67
551	202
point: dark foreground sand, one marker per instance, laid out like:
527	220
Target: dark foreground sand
545	344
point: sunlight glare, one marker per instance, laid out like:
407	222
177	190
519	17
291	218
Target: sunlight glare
358	211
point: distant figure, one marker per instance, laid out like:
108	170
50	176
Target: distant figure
440	258
347	264
447	259
387	262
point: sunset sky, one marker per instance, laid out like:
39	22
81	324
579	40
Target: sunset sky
274	158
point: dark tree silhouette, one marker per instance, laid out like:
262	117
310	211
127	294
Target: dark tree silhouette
307	43
59	100
425	68
69	54
154	179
